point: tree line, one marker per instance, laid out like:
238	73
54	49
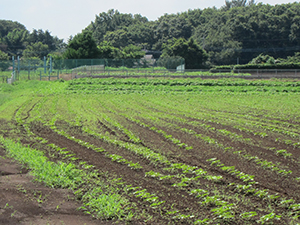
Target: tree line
235	33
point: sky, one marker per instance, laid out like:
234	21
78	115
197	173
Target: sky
63	18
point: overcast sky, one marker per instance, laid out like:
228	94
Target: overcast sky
68	17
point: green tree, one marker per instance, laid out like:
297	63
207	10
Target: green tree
4	63
171	26
237	3
7	26
82	46
111	21
195	57
107	51
3	56
57	60
15	41
142	34
132	52
118	38
38	50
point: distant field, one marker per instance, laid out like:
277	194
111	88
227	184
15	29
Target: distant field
160	151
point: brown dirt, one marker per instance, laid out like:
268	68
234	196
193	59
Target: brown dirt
22	195
66	76
177	199
25	202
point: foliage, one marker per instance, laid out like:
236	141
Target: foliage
236	33
107	51
118	38
170	62
132	52
194	56
199	141
263	59
269	66
111	21
7	26
4	64
14	39
82	46
38	50
291	59
237	3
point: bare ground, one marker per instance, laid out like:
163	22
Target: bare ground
26	202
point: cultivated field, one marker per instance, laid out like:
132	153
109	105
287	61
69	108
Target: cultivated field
154	151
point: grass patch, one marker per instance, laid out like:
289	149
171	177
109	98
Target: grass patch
98	198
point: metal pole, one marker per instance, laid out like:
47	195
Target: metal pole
45	69
13	75
29	70
18	65
50	64
13	59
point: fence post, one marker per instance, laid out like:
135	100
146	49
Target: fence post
13	59
29	70
45	69
50	65
18	66
40	75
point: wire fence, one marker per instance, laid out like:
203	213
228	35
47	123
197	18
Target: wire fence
50	69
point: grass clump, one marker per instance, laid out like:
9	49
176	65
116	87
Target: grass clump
99	199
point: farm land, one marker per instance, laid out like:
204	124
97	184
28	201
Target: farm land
150	151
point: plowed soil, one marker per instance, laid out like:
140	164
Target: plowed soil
25	202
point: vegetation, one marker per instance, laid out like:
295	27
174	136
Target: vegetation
82	46
162	151
194	56
240	29
14	39
233	34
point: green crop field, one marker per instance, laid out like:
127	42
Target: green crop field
162	151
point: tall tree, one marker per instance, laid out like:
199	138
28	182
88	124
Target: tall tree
195	57
132	52
16	41
237	3
107	51
4	63
7	26
37	50
82	46
118	38
111	21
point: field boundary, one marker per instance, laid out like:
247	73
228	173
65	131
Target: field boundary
188	76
